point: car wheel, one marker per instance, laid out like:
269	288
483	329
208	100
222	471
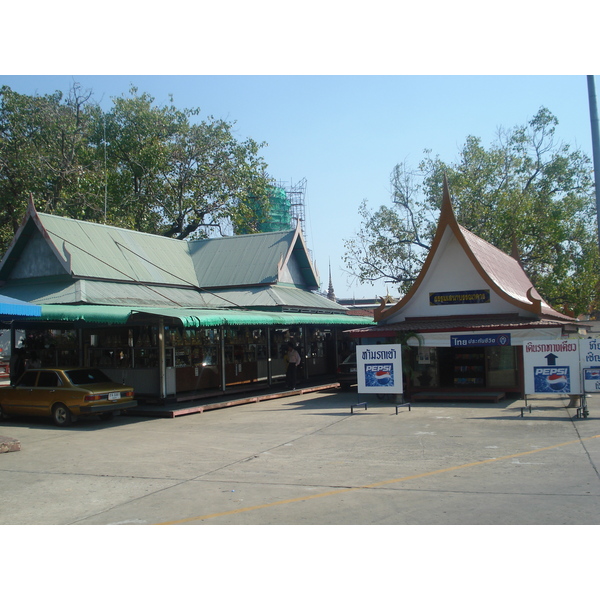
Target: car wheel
61	415
107	416
3	415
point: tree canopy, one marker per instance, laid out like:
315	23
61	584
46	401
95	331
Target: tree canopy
157	169
526	188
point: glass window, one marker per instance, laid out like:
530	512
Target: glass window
28	379
501	365
84	376
49	379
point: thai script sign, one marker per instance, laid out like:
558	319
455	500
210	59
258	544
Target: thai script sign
551	346
473	340
379	369
552	367
589	355
465	297
591	380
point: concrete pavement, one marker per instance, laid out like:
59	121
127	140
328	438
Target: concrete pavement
308	460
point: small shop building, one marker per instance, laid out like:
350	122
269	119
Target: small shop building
465	319
173	318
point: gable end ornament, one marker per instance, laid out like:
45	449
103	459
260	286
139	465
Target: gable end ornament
535	299
377	313
31	204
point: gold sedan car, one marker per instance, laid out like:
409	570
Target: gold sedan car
65	395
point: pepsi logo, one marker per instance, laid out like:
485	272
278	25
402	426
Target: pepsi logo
557	382
383	377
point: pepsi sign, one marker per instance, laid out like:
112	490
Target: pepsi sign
552	366
379	368
551	380
379	375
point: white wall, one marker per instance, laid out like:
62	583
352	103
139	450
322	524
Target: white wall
452	271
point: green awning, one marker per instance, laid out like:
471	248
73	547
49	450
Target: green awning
88	313
190	317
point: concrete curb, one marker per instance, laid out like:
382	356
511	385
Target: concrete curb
171	411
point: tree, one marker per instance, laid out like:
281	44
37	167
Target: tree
151	168
526	188
213	180
176	177
44	151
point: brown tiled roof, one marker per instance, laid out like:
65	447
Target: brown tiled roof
503	273
361	312
507	274
458	323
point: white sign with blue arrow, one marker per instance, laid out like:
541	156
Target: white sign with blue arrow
552	367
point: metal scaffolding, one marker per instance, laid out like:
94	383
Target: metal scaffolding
296	195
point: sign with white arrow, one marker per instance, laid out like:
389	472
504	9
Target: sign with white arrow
552	367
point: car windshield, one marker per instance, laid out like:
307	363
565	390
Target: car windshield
351	358
86	376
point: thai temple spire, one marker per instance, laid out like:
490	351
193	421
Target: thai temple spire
330	292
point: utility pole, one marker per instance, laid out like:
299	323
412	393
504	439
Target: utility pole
595	144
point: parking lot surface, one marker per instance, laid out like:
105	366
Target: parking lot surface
307	460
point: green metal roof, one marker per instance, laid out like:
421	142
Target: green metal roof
239	260
82	291
89	250
101	251
96	273
270	297
190	317
108	292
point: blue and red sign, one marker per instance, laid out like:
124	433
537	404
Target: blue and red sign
379	375
551	380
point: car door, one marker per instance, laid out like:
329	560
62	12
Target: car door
46	392
20	399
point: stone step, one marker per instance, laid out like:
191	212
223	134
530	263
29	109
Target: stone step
9	444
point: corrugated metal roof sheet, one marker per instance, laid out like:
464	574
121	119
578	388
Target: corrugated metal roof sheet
11	307
102	292
124	294
114	315
97	251
240	260
106	252
275	296
208	318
